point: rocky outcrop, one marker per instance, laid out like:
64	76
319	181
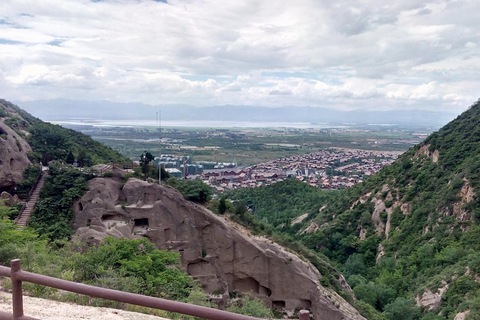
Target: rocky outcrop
429	300
13	157
222	257
425	150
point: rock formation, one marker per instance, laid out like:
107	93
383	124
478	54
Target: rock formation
13	157
222	257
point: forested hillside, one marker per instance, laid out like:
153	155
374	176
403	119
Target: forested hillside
408	238
53	142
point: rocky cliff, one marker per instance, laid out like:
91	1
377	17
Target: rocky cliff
222	257
13	149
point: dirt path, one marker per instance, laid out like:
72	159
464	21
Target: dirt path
54	310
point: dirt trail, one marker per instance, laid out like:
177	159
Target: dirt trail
54	310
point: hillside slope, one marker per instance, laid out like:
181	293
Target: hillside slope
412	231
26	140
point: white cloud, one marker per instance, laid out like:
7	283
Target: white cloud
347	54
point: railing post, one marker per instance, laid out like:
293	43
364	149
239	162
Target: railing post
304	315
17	294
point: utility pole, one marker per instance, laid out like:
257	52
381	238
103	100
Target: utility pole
159	129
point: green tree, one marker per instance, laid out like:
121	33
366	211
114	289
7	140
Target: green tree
355	265
70	157
145	158
222	205
402	309
192	190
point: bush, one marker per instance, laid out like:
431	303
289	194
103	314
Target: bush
252	307
147	270
402	309
192	190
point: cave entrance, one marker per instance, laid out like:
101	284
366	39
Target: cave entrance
247	284
278	305
141	222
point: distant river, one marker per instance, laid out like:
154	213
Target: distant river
192	124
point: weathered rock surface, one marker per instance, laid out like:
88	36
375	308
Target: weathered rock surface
13	157
429	300
220	256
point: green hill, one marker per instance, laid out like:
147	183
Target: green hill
408	238
53	142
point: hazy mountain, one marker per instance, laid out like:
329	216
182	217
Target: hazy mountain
61	109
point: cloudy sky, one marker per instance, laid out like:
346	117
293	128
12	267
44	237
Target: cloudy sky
415	54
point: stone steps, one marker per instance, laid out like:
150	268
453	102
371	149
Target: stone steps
22	220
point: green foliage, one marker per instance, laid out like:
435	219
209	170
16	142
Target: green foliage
121	264
432	239
402	309
278	204
28	118
30	175
461	287
70	157
377	295
192	190
354	265
368	311
252	307
53	212
145	159
53	142
149	270
222	205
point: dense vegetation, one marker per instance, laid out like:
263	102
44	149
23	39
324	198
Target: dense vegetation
282	202
192	190
432	208
53	212
53	142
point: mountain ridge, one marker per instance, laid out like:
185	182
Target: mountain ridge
62	108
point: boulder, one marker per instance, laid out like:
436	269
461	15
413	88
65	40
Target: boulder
213	250
13	157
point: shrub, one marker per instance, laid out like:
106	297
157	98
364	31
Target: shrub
251	307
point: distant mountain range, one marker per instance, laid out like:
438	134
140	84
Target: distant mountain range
61	109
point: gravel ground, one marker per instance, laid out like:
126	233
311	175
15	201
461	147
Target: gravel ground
54	310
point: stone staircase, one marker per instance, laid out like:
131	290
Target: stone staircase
22	219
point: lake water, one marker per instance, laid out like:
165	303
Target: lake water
192	124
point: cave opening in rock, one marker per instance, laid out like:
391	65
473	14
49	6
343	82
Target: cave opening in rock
141	222
265	291
246	285
305	304
109	217
278	305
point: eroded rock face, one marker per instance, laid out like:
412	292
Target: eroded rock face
13	157
429	300
220	256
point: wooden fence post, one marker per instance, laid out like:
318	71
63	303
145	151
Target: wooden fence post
17	294
304	315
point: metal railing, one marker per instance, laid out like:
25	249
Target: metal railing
17	275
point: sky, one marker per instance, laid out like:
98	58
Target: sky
352	54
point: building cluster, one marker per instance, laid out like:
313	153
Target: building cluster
326	169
